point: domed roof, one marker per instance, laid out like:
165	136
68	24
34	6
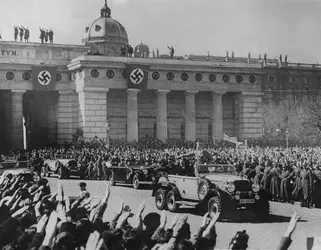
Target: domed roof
106	29
142	47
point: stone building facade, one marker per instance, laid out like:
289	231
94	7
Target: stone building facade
199	97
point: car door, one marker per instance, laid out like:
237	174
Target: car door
190	188
186	185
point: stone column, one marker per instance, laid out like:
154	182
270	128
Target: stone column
132	115
217	116
93	112
161	126
250	115
190	124
17	119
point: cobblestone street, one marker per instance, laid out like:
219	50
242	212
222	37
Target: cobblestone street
262	235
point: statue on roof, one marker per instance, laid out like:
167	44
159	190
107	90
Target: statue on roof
265	56
286	58
227	56
232	54
280	58
157	53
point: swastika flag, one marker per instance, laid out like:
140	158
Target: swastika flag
44	78
137	76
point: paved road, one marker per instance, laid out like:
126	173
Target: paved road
262	235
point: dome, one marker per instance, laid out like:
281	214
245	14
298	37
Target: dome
141	50
106	34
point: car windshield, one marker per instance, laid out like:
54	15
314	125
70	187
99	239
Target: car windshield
216	168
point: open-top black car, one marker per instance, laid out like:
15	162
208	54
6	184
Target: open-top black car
211	188
64	168
134	175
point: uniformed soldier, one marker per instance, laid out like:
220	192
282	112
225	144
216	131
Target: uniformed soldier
266	179
286	187
297	185
275	183
316	199
307	185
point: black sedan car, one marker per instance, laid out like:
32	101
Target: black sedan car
133	175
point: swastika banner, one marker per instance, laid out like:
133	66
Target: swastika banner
44	78
137	76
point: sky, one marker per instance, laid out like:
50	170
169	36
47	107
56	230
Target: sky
275	27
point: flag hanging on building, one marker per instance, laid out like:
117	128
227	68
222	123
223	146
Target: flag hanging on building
137	76
44	77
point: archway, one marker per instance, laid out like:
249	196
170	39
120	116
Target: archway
40	118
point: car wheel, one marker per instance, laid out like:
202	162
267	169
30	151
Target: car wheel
203	188
215	205
160	199
262	209
171	202
111	178
135	182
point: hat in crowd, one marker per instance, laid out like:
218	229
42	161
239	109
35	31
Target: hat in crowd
82	185
239	241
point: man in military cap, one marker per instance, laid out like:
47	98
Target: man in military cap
307	185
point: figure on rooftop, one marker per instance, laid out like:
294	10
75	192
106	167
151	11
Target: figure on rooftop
130	50
51	34
27	34
171	52
16	32
42	34
21	33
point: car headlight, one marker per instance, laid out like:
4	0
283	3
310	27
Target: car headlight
256	188
230	187
145	171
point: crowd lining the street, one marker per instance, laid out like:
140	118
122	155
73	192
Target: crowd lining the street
32	217
288	174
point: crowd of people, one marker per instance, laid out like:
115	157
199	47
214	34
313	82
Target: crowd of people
288	174
33	217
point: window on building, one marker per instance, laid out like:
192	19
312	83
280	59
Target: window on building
183	131
155	130
210	131
271	79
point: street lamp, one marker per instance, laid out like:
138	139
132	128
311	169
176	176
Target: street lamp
287	138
